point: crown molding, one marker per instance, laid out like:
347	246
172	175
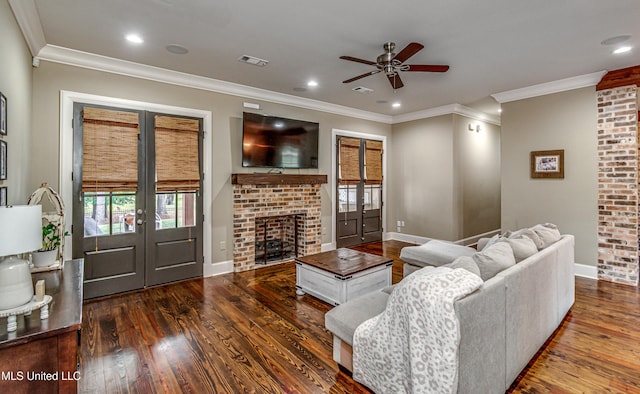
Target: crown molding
92	61
447	110
26	15
562	85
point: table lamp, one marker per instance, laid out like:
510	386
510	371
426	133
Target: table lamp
20	232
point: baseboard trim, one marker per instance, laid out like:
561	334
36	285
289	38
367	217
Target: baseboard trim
406	238
586	271
219	268
473	240
328	246
420	240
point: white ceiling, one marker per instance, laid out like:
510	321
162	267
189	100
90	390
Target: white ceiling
492	46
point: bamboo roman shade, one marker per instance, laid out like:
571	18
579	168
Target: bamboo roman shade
349	161
177	163
373	162
109	150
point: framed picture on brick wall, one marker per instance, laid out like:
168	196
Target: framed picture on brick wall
547	164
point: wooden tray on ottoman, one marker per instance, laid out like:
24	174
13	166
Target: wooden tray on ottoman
343	274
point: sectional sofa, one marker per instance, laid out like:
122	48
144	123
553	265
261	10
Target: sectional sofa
502	325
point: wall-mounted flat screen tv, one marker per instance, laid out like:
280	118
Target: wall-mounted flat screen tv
270	141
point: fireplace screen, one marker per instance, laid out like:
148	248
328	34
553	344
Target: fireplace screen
276	238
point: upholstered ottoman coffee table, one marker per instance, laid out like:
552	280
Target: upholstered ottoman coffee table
340	275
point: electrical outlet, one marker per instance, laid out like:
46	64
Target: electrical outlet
399	223
324	231
223	245
402	223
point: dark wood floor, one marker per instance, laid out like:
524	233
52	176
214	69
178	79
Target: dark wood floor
249	332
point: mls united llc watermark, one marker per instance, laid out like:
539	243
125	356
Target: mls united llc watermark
19	376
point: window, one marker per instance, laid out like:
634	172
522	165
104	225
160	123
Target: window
109	213
175	209
347	201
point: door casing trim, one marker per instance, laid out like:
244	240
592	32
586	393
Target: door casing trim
335	133
69	98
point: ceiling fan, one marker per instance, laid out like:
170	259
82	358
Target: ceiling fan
391	64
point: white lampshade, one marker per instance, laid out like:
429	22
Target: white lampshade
20	229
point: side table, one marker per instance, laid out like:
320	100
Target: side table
41	355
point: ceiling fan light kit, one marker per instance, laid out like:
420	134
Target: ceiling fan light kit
392	64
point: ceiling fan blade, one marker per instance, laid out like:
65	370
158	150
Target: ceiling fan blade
426	68
395	81
357	60
361	76
408	51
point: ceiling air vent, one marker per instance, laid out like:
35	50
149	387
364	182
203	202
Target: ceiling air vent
362	89
253	60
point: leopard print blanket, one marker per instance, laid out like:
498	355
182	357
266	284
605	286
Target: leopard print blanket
412	347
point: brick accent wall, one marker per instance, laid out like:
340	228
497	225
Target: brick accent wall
618	185
252	201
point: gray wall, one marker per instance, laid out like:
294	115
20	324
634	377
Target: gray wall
421	178
225	140
444	180
566	121
16	85
478	176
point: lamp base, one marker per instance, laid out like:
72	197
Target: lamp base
16	286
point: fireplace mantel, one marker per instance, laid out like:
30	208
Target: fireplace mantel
278	179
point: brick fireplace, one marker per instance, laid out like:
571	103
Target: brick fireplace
292	201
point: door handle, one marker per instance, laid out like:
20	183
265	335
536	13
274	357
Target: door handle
139	221
139	211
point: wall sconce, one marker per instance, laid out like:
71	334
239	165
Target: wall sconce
477	128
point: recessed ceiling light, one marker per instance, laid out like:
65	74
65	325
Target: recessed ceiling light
396	105
177	49
312	83
134	38
623	49
615	40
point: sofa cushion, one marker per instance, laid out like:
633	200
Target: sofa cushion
522	247
343	320
494	259
464	262
489	242
527	232
434	253
548	233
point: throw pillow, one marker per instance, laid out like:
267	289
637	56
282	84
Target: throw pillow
491	241
494	259
522	247
529	233
547	232
464	262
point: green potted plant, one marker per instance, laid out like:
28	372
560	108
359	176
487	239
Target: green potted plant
48	254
